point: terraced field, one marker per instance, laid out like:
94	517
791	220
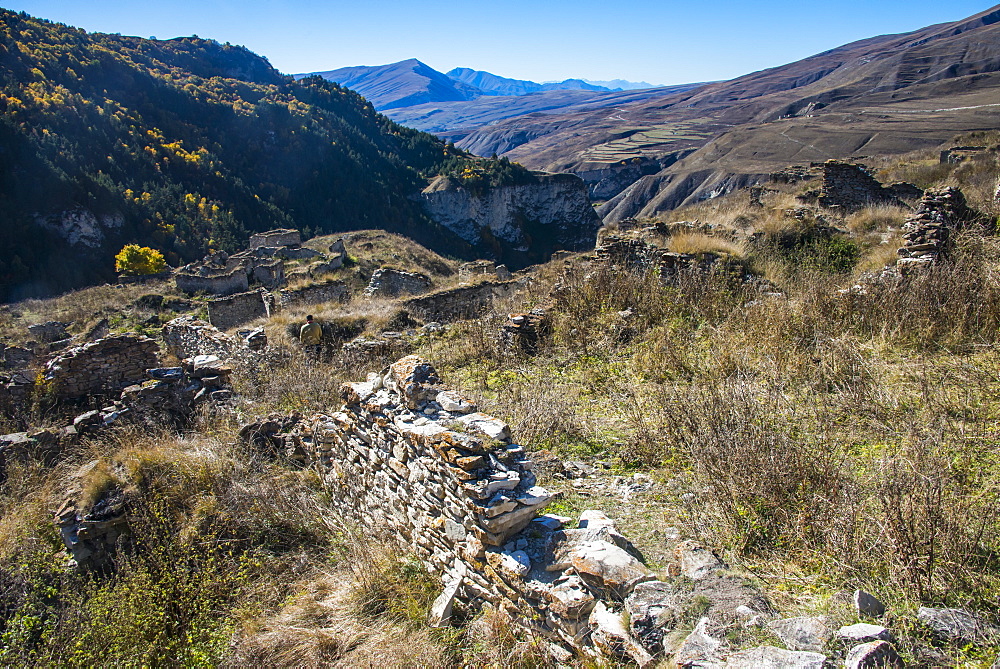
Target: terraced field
654	140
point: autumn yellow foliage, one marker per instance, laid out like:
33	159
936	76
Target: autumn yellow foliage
135	260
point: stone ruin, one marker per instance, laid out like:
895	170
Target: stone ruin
228	312
331	291
524	332
416	463
959	154
634	251
928	230
462	303
388	282
222	274
851	187
102	366
263	263
483	268
187	337
275	239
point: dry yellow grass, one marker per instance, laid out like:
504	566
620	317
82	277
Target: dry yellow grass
696	242
877	218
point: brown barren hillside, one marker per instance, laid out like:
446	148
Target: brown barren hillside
884	95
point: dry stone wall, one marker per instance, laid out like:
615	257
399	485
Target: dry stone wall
104	365
416	462
274	238
852	187
191	280
928	231
325	292
228	312
387	282
186	337
458	304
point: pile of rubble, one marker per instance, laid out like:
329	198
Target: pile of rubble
525	331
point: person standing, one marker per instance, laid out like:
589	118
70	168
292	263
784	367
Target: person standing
311	337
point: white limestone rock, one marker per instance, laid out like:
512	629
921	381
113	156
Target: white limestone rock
769	657
802	633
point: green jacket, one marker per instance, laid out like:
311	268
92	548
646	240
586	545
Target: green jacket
311	334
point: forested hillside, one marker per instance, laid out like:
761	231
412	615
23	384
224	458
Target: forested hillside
186	145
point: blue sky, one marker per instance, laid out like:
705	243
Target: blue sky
659	41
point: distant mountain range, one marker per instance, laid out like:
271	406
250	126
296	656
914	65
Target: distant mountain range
886	95
650	150
411	82
455	104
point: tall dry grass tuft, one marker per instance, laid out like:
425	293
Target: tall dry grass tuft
695	243
876	218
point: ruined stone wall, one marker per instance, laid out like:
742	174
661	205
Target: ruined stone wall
927	232
228	312
324	292
228	283
458	304
105	365
282	237
271	274
186	337
387	282
853	187
417	463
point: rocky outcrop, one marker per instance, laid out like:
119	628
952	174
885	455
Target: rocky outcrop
604	183
80	227
517	224
667	190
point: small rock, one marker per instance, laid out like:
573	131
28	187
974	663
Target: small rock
769	657
650	614
868	605
957	625
608	633
592	519
863	632
440	613
802	633
698	649
696	561
604	565
872	655
569	598
166	373
550	522
516	562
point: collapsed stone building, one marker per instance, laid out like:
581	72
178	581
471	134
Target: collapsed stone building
851	186
262	263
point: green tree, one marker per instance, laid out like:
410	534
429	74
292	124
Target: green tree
135	260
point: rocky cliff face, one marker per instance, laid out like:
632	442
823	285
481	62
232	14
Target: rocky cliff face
517	224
